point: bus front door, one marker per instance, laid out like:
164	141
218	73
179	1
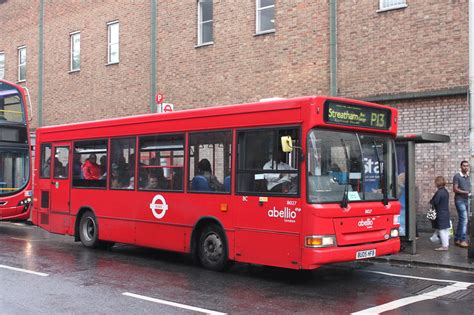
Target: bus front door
60	186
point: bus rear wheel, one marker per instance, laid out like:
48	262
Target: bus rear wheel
89	230
212	249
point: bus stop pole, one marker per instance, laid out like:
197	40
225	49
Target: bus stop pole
411	211
470	252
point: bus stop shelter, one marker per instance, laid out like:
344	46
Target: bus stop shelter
405	144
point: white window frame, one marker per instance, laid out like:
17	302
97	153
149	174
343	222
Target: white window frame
258	8
110	43
74	51
21	64
201	22
2	65
386	5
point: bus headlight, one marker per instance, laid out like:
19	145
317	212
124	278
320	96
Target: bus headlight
318	241
394	233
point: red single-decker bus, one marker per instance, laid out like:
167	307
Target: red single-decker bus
295	183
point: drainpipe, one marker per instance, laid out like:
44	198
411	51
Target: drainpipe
40	63
333	46
153	44
471	122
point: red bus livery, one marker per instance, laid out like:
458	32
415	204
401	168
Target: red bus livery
15	171
294	183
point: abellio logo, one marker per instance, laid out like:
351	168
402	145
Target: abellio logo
286	214
367	223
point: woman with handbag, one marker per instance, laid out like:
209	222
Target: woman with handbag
440	203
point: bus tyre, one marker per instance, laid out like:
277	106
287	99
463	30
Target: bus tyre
89	230
212	249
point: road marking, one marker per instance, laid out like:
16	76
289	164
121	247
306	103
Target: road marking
413	299
413	277
183	306
29	240
25	271
455	286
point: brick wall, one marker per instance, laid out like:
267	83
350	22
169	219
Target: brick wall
241	67
421	47
448	116
19	27
98	90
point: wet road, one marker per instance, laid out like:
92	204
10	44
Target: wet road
42	273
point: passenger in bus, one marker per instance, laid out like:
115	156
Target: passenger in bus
279	182
156	180
204	169
59	169
77	167
46	168
115	180
90	169
103	165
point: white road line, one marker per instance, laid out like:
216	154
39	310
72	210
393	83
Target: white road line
413	299
455	286
183	306
25	271
413	277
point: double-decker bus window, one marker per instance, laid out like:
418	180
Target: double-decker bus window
210	161
87	172
14	170
262	166
61	162
11	107
122	163
161	163
349	165
45	161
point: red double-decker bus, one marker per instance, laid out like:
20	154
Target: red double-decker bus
294	183
15	155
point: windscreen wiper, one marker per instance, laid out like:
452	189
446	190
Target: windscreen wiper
381	175
345	198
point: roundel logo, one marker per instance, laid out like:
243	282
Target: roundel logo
158	206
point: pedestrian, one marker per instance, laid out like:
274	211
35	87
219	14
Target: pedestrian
441	224
462	193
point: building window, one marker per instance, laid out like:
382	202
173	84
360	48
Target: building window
392	4
21	64
113	42
2	65
204	22
75	51
265	16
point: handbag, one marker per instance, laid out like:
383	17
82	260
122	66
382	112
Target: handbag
431	213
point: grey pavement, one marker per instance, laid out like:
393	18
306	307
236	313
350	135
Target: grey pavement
426	256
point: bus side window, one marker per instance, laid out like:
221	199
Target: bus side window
87	172
161	162
210	161
122	163
262	166
45	161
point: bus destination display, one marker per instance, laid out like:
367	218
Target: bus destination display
356	115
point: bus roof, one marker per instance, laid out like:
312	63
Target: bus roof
223	110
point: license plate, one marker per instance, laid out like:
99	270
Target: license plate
362	254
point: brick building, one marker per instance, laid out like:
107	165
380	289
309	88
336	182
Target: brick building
409	54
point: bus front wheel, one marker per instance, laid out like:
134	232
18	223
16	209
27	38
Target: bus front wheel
213	248
89	230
